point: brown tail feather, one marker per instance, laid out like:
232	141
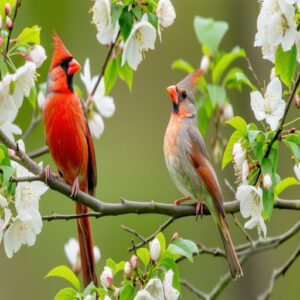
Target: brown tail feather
233	261
86	247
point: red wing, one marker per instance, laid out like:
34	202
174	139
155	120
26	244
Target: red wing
200	160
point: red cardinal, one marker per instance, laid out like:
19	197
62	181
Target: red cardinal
70	143
189	164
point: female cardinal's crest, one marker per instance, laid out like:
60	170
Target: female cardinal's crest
60	51
190	81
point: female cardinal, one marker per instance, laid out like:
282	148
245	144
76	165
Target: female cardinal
69	141
188	161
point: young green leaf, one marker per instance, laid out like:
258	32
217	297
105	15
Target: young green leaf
210	33
180	246
7	171
144	255
116	11
293	143
225	61
268	201
115	267
32	97
111	74
217	94
182	65
168	264
285	64
239	124
126	74
126	21
127	291
65	273
153	20
162	240
29	36
66	294
284	184
137	11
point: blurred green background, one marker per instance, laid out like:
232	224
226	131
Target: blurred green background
130	156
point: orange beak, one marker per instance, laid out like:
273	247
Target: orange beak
173	93
73	66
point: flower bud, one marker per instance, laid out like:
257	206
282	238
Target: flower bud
97	254
297	171
267	181
37	55
227	111
175	236
297	101
7	9
204	64
9	23
292	130
106	278
127	268
154	249
41	99
134	261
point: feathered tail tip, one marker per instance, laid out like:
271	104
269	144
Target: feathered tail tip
60	51
191	80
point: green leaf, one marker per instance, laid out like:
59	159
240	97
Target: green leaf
285	64
8	171
111	75
144	255
252	134
127	291
3	67
239	124
137	11
284	184
126	21
225	61
268	201
115	267
153	20
217	94
65	273
33	97
66	294
162	240
293	143
126	74
241	77
168	264
2	156
180	246
210	33
90	289
227	157
182	65
116	11
29	36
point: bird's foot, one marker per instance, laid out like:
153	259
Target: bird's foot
47	172
199	209
179	201
75	188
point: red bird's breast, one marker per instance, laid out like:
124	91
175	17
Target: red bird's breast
65	127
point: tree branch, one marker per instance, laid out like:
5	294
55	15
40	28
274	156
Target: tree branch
279	272
39	152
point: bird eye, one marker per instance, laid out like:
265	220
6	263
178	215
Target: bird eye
183	94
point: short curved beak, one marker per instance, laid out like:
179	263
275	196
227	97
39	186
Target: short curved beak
73	67
173	93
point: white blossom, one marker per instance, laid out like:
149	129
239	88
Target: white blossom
41	99
297	170
239	155
276	26
152	291
143	295
107	297
10	130
106	278
245	172
97	253
107	32
37	55
142	37
4	222
267	181
271	106
25	77
72	251
104	104
154	247
204	63
165	13
170	292
227	111
251	205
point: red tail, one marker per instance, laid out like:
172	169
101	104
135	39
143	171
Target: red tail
86	247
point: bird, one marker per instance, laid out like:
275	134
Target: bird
70	144
189	164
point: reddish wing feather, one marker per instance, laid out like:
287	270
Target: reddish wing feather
200	160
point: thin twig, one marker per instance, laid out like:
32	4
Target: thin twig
18	4
34	122
242	229
111	48
194	290
39	152
279	272
134	232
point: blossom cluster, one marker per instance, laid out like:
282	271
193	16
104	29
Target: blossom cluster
277	25
142	33
20	219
